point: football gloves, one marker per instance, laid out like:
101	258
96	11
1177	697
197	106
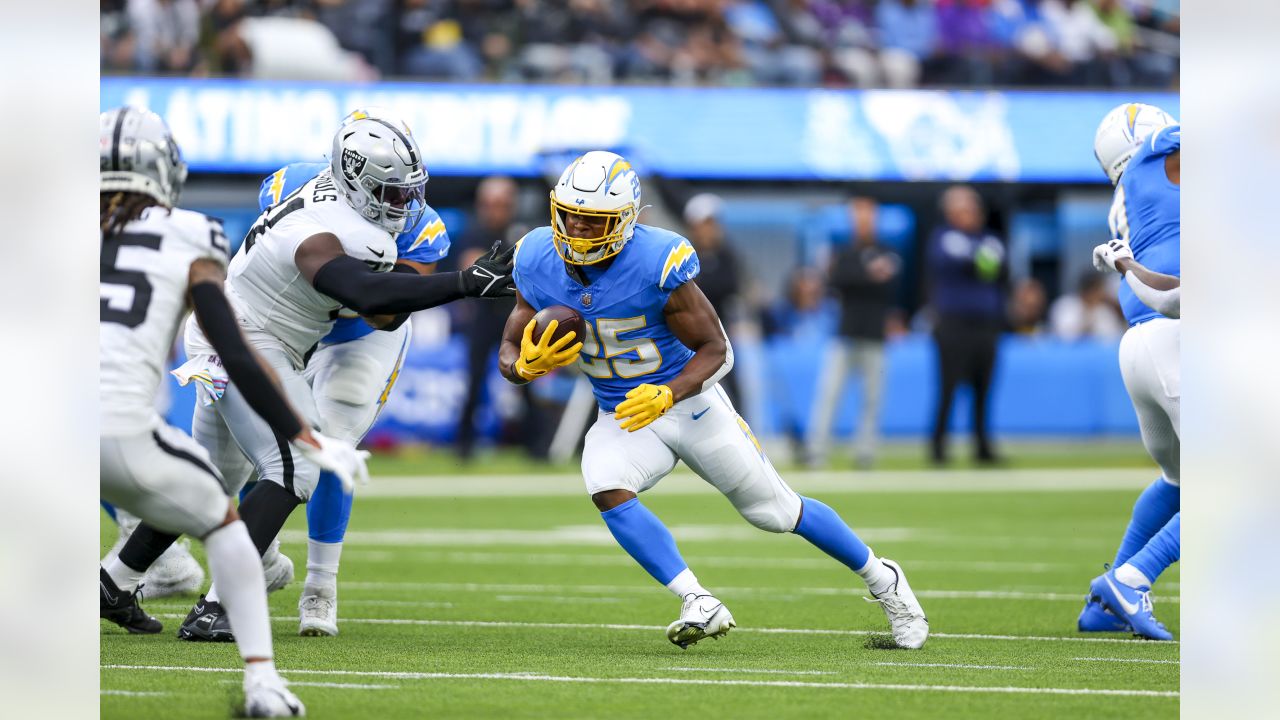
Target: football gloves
539	358
338	457
490	276
1106	255
644	404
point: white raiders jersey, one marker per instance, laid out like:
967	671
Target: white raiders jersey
274	303
143	284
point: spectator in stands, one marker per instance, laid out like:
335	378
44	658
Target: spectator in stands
908	37
720	277
367	27
1027	304
1080	38
166	33
494	221
967	41
967	270
864	274
117	47
432	45
1090	312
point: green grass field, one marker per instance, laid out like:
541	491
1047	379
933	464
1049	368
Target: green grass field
503	595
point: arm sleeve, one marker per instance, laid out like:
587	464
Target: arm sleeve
352	283
242	367
1166	302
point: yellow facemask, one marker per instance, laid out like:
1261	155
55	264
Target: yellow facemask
568	247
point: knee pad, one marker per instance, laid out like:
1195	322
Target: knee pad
772	514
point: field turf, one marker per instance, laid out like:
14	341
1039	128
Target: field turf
504	596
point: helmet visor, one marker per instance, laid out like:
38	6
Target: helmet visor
402	204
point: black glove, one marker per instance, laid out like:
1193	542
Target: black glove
491	276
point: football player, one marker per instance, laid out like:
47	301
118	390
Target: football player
156	262
329	244
351	373
655	351
1139	148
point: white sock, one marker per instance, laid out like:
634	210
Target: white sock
685	583
212	595
263	670
125	577
236	567
322	563
1132	576
878	576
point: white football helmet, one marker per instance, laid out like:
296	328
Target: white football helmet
1121	133
597	184
136	153
379	170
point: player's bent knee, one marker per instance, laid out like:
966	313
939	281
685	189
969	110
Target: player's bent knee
769	516
606	500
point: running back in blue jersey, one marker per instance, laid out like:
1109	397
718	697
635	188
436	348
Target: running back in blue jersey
425	242
627	340
1147	214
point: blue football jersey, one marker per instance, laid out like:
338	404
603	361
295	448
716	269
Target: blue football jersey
627	340
1147	213
426	242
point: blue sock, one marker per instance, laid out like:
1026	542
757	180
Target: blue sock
1159	502
645	539
821	526
111	509
247	487
1162	551
328	510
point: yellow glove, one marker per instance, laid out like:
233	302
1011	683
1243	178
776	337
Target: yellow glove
539	358
644	404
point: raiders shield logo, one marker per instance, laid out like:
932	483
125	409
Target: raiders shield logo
585	299
352	164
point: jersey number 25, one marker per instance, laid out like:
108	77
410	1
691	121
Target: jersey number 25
604	332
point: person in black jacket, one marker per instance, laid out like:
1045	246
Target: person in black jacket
719	279
968	270
864	274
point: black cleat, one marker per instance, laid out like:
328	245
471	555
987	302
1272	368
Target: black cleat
207	622
122	608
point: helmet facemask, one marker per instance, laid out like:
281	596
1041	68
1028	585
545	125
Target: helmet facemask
592	250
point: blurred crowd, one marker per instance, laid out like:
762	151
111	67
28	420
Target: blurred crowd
862	43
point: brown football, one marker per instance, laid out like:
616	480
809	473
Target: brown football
569	321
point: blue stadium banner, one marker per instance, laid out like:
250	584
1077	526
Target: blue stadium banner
228	125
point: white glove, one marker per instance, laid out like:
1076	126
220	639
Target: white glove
1106	255
338	457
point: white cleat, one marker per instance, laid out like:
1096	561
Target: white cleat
701	616
265	696
277	568
907	620
318	611
174	573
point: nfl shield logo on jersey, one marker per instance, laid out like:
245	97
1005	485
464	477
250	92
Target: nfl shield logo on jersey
585	299
352	163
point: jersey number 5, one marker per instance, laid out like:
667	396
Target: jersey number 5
113	281
604	332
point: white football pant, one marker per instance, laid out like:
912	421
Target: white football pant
1150	364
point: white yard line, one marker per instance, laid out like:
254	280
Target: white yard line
622	560
751	671
529	677
954	665
133	693
631	590
558	599
685	483
1144	661
653	628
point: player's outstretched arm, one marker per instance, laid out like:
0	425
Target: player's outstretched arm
255	379
393	322
695	323
323	263
512	333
